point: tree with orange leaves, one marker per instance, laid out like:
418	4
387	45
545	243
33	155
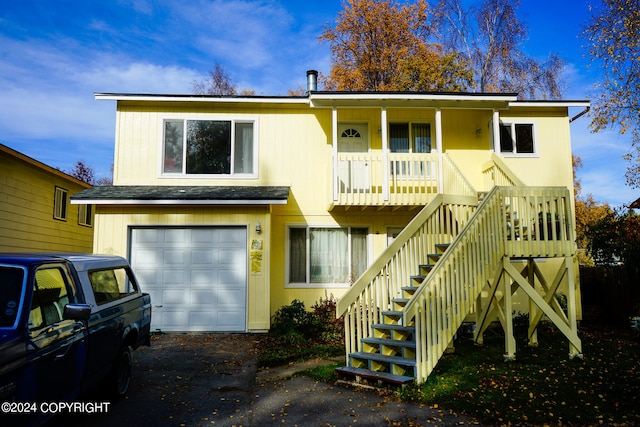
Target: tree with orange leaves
382	46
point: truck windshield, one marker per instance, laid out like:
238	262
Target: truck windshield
11	280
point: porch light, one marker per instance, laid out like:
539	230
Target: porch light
258	227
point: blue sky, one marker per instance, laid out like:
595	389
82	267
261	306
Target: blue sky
55	54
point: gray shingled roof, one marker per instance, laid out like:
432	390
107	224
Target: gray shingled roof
191	194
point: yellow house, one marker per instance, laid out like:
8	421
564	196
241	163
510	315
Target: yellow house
231	207
35	213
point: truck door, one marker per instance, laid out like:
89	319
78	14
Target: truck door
57	347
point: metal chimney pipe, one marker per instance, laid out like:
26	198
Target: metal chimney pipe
312	80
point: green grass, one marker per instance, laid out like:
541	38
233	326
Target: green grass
278	351
542	386
326	373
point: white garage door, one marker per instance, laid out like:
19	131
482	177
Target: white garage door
197	277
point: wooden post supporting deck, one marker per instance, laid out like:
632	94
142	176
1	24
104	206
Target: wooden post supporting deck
499	304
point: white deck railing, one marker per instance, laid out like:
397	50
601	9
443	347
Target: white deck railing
406	179
496	173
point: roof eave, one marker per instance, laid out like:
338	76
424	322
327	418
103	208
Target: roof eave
558	103
410	99
199	98
177	202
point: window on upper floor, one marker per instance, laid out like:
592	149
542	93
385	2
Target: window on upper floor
410	137
517	138
60	203
320	255
209	147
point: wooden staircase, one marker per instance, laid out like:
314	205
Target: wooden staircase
398	326
389	354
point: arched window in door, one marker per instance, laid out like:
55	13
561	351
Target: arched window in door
350	133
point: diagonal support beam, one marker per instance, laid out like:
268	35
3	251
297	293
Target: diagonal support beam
569	331
550	293
486	313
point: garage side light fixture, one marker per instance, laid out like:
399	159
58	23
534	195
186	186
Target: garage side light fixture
258	227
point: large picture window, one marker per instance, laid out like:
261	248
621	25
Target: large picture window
517	138
208	147
326	255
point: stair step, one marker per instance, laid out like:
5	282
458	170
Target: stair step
417	280
374	375
433	258
389	342
395	360
393	314
390	347
393	327
393	331
400	301
442	247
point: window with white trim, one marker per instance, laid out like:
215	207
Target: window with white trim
209	147
517	138
85	215
60	203
320	255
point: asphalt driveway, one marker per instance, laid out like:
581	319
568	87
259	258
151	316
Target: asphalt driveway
213	380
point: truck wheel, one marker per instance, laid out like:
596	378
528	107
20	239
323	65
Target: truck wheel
121	373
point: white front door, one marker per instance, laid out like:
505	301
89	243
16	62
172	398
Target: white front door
196	276
355	172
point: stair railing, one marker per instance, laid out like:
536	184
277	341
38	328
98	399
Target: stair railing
454	181
372	293
439	306
497	173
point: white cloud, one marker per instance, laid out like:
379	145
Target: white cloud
139	78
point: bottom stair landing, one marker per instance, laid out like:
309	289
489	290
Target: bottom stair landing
362	374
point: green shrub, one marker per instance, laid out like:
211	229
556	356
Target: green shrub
292	319
331	329
318	325
298	334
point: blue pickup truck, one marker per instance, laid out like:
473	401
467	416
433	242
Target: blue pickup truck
68	322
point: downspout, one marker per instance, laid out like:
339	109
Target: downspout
580	114
439	148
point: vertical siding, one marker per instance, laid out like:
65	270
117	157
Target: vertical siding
26	211
294	149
